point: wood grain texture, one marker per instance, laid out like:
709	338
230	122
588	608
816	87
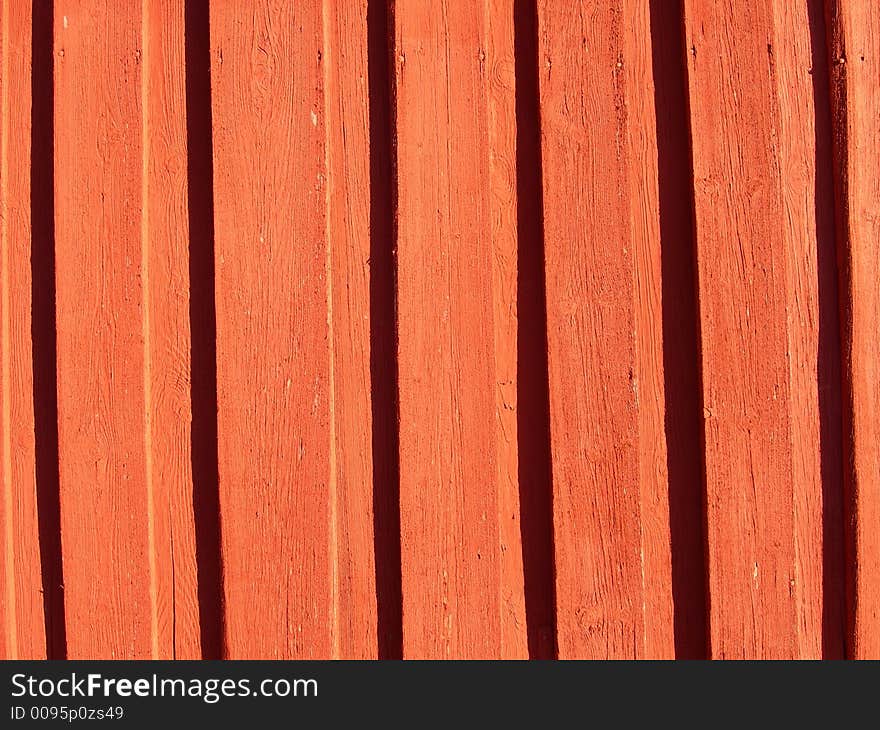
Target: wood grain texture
611	514
106	501
167	367
424	329
855	69
21	601
277	473
453	592
502	183
758	239
349	234
807	237
742	280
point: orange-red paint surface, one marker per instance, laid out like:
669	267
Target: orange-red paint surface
602	254
21	605
760	233
422	329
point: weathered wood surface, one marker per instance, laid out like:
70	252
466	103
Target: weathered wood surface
511	328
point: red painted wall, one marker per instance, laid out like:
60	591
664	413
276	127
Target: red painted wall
491	329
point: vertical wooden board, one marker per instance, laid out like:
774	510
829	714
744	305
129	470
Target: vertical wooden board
502	182
743	290
165	277
807	239
611	517
349	232
21	600
449	491
273	340
643	181
855	72
106	499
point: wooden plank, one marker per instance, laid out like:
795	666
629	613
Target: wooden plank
21	601
123	383
450	495
637	88
350	234
144	487
855	68
762	311
277	477
611	515
106	491
166	310
742	286
502	183
799	85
